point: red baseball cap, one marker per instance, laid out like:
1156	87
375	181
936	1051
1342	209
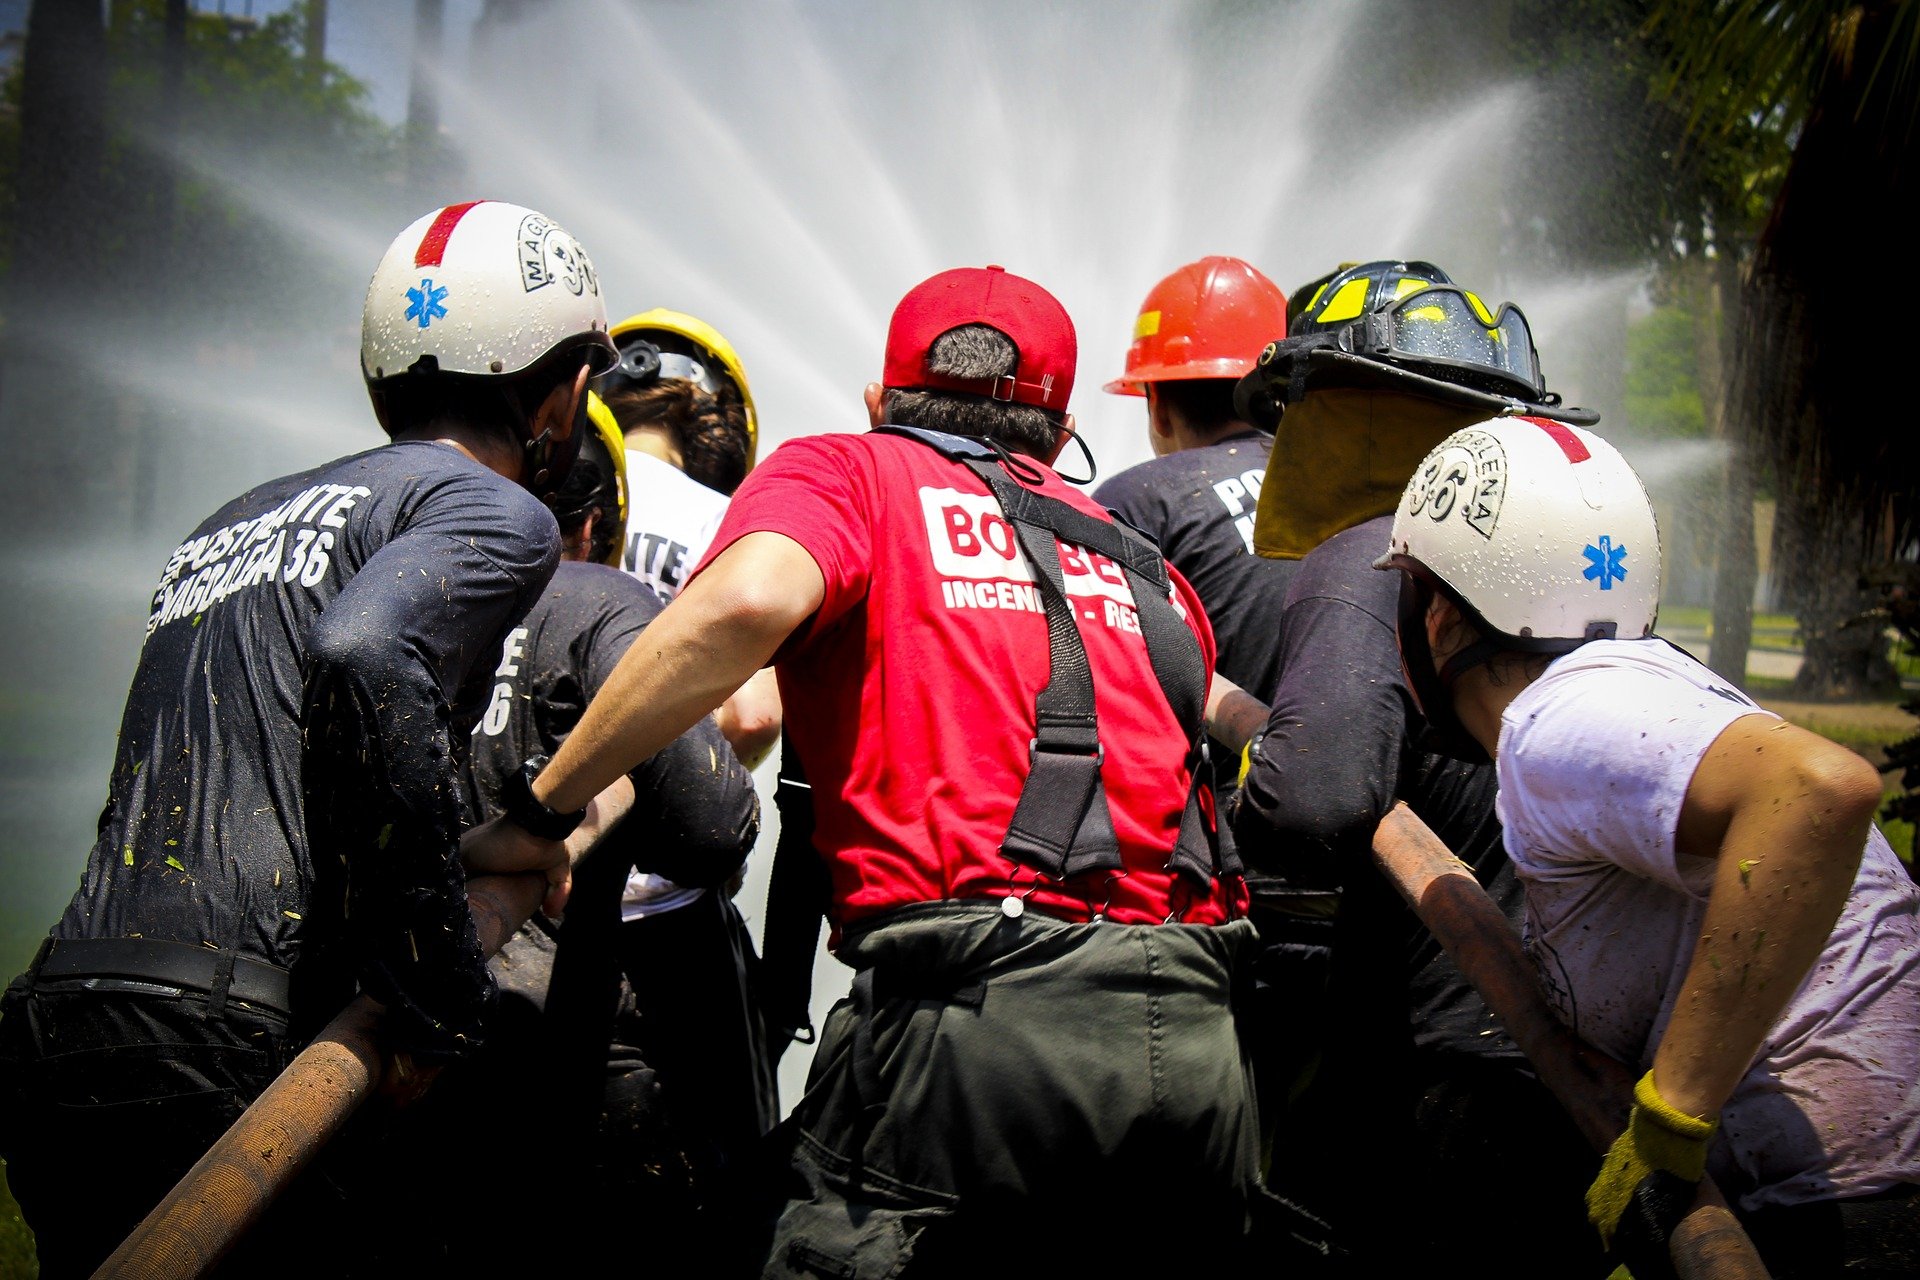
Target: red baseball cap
1032	319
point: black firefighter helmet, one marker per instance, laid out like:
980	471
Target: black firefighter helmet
1402	326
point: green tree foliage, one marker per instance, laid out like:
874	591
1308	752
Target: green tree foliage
162	207
1658	185
1663	377
1840	82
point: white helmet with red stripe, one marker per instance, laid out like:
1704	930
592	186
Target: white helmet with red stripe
480	288
1542	530
1542	535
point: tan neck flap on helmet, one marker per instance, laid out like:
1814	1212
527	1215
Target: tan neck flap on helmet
1343	456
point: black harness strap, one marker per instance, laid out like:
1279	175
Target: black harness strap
1062	825
798	892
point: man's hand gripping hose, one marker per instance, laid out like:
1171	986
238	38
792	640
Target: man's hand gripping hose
1648	1182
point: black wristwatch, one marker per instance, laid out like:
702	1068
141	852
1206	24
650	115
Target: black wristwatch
524	811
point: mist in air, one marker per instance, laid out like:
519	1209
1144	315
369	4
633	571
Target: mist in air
785	171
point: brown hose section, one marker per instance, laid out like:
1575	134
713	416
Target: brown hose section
1596	1090
278	1136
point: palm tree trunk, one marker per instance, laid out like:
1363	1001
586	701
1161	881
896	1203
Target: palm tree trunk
1737	566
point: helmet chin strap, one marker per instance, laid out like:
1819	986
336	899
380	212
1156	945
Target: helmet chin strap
545	461
1477	654
538	460
1093	468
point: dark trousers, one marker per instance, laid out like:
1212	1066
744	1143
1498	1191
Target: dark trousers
1867	1238
998	1096
109	1093
692	972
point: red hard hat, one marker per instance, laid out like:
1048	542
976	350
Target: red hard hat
1209	319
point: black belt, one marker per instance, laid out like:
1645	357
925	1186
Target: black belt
224	975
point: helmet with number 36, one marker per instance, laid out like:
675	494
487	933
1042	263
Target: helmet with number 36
1541	534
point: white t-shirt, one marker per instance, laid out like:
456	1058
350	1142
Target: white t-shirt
1595	758
671	521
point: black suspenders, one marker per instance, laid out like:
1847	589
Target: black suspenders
1062	826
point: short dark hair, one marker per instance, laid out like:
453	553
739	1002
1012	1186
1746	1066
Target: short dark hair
498	407
976	351
709	430
1204	404
590	486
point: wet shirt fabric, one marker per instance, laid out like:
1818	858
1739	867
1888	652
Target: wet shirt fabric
1343	743
1198	505
910	692
694	802
1595	759
671	520
287	779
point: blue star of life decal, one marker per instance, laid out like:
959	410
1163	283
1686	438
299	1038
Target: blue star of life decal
424	303
1604	563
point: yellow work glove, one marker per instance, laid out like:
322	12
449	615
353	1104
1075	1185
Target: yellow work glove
1647	1182
1246	759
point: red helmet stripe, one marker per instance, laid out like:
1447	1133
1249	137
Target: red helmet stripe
433	245
1563	436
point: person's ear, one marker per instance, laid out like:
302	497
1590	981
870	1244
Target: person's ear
876	398
586	532
1443	628
1159	414
1060	439
561	409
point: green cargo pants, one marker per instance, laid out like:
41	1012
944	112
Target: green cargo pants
997	1092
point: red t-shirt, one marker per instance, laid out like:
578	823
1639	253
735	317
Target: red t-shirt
910	693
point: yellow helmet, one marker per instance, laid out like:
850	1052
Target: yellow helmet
705	340
607	434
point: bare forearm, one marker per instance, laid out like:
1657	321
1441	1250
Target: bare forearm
1233	714
607	811
1784	870
681	668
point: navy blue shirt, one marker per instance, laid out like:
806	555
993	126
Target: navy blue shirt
695	813
1198	506
1343	743
287	779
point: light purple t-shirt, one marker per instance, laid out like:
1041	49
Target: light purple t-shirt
1594	760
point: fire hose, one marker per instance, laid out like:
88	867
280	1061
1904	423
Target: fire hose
230	1186
1596	1090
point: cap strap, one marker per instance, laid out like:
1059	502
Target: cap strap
1008	387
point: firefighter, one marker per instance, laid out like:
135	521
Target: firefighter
1198	332
1707	899
283	816
681	397
627	1143
1385	359
1038	908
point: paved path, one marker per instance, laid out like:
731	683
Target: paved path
1774	664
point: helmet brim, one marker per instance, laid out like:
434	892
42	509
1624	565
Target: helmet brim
1133	381
1329	367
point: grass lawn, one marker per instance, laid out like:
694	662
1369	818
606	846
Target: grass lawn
1867	727
1770	630
1773	633
17	1261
